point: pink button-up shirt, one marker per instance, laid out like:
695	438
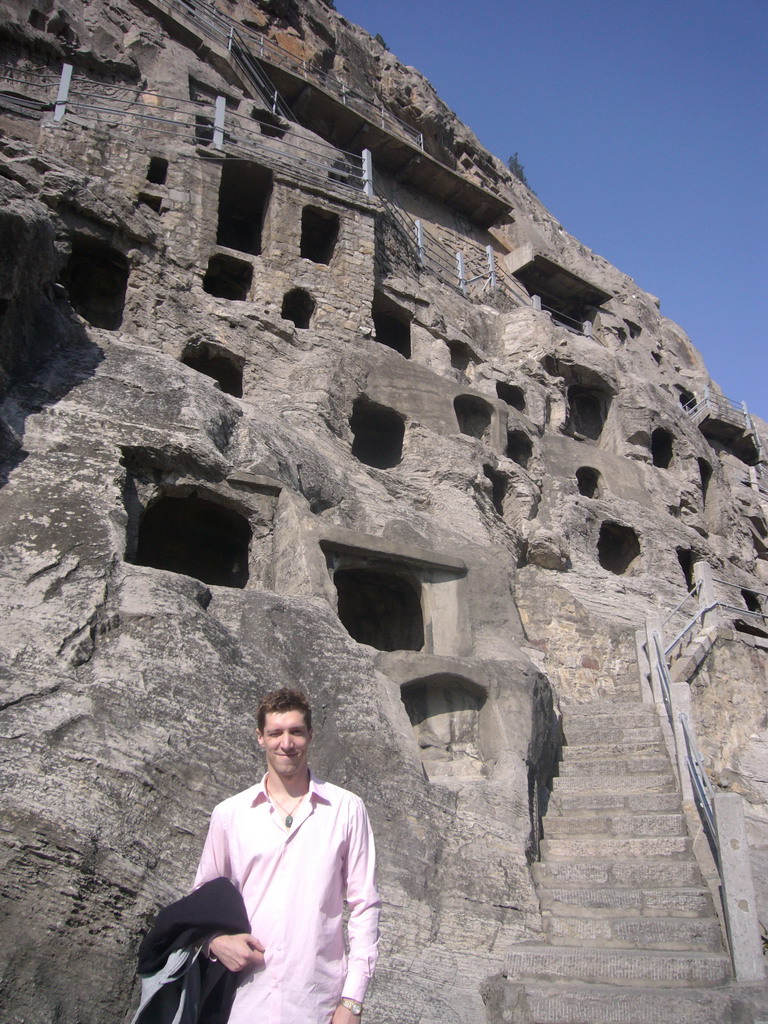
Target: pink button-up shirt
294	885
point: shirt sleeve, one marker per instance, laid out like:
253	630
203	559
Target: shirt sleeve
214	860
363	902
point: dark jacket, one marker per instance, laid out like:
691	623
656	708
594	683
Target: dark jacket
189	988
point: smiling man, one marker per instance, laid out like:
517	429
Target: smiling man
297	849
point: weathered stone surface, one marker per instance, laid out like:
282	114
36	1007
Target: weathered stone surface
174	342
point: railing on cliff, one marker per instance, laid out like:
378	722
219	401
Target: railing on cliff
206	125
721	813
719	407
250	48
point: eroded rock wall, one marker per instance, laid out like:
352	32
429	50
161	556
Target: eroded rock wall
249	439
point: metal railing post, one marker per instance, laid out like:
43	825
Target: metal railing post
653	625
461	272
536	302
586	328
218	122
702	574
738	889
491	257
63	93
680	699
368	173
420	250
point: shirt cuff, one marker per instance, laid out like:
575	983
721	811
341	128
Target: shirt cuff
355	986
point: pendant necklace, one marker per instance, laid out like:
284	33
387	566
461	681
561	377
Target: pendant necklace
288	814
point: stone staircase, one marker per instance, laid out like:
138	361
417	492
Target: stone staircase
632	935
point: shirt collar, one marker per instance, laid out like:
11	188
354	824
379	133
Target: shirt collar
317	790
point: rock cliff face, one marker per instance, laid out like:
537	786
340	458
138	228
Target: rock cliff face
257	429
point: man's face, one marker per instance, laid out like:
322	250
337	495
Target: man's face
285	741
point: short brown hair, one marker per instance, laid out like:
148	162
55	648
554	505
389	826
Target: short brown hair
279	701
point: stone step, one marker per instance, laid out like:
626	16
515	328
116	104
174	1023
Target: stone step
615	848
620	748
664	874
619	967
615	825
600	782
609	1004
612	765
644	902
689	933
589	731
587	803
644	714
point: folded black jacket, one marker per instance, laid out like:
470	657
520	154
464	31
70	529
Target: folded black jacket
206	989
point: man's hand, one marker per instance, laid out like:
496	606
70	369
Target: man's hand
238	951
344	1016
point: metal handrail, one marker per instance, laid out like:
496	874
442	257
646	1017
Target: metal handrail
740	586
691	593
663	670
702	786
259	47
688	626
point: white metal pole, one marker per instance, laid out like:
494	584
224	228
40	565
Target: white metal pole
218	122
63	93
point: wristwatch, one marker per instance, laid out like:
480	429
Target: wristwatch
352	1005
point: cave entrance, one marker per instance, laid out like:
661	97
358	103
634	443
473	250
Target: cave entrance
474	416
381	608
96	278
222	366
195	537
244	193
618	548
228	278
519	447
587	411
511	394
319	232
392	325
444	711
588	481
661	448
378	434
298	306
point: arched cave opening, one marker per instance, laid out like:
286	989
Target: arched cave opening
474	416
392	325
499	483
618	548
378	434
228	277
588	481
687	398
96	278
298	306
196	537
686	559
444	711
462	356
705	475
752	601
519	447
222	366
244	193
587	411
380	608
661	448
513	395
319	233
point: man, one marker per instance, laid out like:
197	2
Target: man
296	848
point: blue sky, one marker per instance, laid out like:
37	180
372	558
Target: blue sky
643	127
